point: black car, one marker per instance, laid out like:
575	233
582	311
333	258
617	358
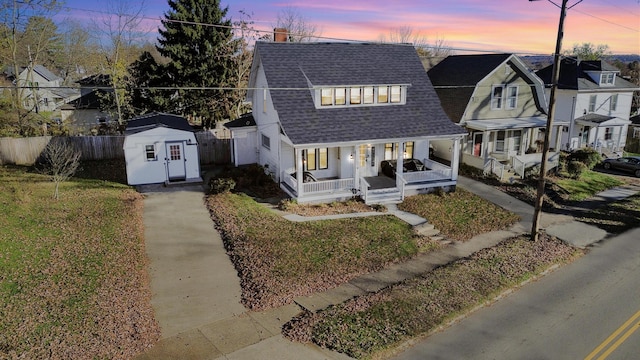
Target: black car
408	165
628	163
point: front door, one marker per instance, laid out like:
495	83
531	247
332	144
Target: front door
176	167
585	135
367	161
477	144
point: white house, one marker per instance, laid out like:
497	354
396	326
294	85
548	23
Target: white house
595	102
502	105
331	117
160	148
43	90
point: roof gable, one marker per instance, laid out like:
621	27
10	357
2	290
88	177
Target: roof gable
574	75
291	68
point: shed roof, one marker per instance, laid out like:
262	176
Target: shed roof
155	120
292	69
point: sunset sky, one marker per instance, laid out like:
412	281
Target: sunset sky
518	26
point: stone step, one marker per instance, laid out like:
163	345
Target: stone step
426	229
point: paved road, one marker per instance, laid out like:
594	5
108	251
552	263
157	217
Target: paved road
565	315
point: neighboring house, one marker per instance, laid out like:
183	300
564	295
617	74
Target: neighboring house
328	115
633	135
244	146
502	106
43	90
595	101
84	114
160	148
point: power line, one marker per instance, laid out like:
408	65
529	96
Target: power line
607	21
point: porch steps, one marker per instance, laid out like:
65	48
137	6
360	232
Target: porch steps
385	196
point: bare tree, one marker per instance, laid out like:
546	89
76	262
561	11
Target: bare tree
407	35
60	160
300	30
15	34
119	31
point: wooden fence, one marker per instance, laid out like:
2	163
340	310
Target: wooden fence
25	151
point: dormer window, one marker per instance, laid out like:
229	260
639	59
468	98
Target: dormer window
361	95
607	78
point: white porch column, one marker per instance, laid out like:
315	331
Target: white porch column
485	146
595	141
620	137
356	165
299	171
399	164
455	159
559	138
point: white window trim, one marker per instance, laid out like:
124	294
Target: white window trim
509	97
363	99
146	153
497	100
266	142
593	99
613	102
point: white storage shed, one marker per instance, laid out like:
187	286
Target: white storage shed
160	148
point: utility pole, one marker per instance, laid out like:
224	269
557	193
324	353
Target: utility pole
552	109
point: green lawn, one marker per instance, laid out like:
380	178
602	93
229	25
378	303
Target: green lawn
589	184
72	272
279	259
459	215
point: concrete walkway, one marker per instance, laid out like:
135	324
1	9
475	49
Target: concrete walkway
197	291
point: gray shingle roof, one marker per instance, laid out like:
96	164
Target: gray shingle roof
297	65
456	76
154	120
573	75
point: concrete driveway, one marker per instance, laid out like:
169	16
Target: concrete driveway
192	278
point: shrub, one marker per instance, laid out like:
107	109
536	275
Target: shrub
221	185
287	204
575	168
588	156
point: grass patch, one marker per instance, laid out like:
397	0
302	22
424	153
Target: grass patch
589	184
278	259
370	324
459	215
73	280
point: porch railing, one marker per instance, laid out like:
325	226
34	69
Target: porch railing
518	165
523	162
493	166
364	187
290	181
329	185
427	175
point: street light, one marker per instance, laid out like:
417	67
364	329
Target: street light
552	109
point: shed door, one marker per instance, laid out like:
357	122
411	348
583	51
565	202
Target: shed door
176	167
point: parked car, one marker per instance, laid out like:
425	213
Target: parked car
408	165
628	163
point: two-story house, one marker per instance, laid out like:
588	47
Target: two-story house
501	103
329	116
595	102
43	90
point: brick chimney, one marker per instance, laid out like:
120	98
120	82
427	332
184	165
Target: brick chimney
280	35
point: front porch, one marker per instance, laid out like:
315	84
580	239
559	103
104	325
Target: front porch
372	189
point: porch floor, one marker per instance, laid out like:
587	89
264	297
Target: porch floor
380	182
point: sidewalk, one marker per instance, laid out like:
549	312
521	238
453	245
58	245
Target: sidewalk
235	333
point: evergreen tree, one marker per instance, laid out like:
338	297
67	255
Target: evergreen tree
147	74
199	42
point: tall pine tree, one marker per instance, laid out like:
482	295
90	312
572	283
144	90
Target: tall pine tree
199	41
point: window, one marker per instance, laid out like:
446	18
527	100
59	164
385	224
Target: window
383	94
266	142
636	132
391	150
174	152
362	155
367	96
45	101
316	159
341	96
607	78
592	103
150	153
264	100
326	97
500	141
512	97
396	95
608	133
517	139
613	104
355	96
496	97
